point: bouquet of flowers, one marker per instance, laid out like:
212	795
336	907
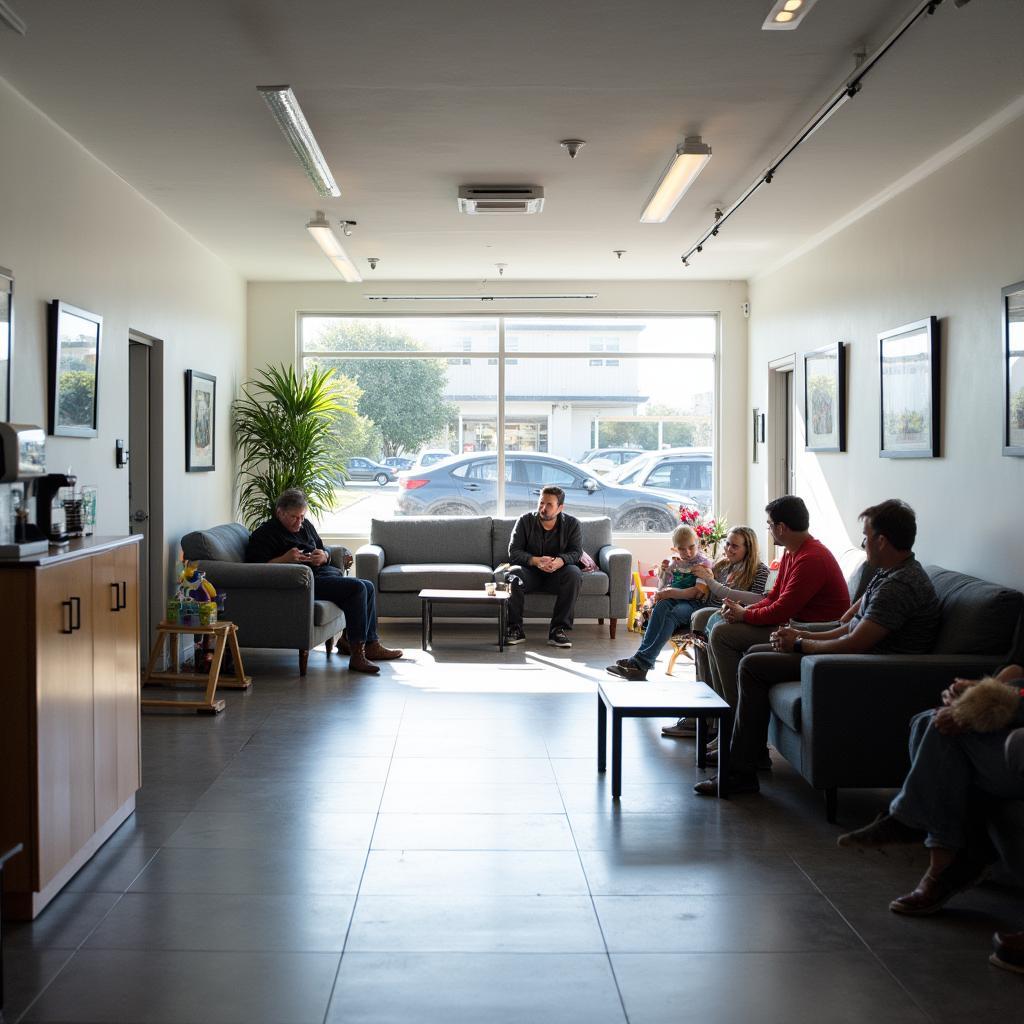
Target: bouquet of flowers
710	531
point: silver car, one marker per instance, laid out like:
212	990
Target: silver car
467	485
686	472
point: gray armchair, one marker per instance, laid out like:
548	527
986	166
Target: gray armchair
272	605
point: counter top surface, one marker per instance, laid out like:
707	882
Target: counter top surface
79	547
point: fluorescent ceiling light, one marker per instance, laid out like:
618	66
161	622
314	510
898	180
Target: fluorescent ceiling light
479	298
683	168
290	119
787	14
325	237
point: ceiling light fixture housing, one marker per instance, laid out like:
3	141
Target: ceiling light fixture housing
500	199
478	298
319	227
290	119
787	14
689	160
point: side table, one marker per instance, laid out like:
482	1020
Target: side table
224	634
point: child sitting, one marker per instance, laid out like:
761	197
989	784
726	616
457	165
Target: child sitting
680	594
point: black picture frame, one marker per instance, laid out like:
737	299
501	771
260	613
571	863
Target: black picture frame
200	422
825	399
1013	369
75	336
909	391
6	341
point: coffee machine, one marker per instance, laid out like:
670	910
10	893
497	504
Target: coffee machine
22	469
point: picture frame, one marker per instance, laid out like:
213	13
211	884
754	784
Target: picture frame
74	370
200	422
909	391
6	341
1013	369
825	399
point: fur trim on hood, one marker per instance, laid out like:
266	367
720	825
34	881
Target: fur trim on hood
986	707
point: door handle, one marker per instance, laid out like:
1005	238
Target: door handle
124	593
70	628
117	597
76	610
140	516
472	487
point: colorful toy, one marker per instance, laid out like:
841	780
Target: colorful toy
193	584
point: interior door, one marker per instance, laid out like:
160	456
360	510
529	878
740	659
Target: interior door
139	484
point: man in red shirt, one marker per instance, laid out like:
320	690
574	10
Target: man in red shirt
810	588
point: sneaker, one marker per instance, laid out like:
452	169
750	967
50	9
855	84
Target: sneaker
734	784
515	635
1009	951
885	830
559	639
685	728
632	671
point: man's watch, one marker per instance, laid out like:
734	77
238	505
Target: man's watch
798	645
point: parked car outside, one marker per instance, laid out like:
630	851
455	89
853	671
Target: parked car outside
467	485
430	456
398	462
608	460
683	471
366	469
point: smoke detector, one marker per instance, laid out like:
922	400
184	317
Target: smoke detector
501	199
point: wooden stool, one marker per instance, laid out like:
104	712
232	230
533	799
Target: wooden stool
681	644
224	633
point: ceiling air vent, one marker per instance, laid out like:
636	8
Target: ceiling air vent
501	198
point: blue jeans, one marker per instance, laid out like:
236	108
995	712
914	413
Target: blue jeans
355	597
937	793
666	617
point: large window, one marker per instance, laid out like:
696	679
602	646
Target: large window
582	403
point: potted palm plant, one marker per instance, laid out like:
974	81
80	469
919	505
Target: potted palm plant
285	428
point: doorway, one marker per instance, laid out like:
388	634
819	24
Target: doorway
781	466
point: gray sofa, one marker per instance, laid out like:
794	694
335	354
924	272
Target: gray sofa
844	723
272	605
411	553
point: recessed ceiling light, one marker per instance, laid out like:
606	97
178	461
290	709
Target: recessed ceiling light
787	14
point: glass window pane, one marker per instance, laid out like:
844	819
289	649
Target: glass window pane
667	335
320	333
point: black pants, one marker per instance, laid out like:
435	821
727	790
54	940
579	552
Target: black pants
355	597
760	670
564	584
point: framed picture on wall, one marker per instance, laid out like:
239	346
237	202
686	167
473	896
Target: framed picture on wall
6	340
1013	369
825	399
200	422
908	367
74	370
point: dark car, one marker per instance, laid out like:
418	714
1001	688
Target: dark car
366	469
468	485
398	463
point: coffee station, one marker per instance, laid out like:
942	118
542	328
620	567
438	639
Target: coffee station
69	734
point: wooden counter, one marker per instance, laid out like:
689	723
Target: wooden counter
69	693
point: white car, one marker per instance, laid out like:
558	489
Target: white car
430	456
683	471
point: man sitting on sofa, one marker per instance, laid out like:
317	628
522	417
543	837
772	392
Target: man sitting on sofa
957	753
544	550
290	539
897	614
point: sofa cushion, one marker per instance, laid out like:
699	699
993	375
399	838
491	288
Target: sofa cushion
784	699
596	533
434	575
595	584
977	617
325	612
412	540
226	543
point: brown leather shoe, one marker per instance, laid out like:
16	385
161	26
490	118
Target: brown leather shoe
342	643
933	892
376	651
1009	951
885	830
358	662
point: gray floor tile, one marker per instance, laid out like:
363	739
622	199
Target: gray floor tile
446	770
475	924
252	871
709	826
239	830
257	794
111	869
316	770
64	924
496	988
26	973
184	921
496	873
770	988
471	798
189	988
472	832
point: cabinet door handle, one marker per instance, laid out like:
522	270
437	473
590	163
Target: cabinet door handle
76	609
117	597
69	628
124	593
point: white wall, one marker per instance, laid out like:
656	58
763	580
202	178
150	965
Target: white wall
272	336
74	230
944	247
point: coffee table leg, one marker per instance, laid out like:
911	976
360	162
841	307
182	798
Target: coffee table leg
501	626
602	734
423	623
702	741
616	753
724	734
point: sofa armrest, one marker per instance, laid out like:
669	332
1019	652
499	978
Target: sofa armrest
338	555
1015	751
369	562
257	576
856	708
616	562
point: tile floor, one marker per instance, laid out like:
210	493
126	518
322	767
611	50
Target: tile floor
436	846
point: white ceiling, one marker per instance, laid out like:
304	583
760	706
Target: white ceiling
411	99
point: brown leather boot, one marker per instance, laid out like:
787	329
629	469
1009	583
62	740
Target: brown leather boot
342	642
378	652
358	662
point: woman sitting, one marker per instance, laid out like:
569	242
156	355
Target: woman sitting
739	575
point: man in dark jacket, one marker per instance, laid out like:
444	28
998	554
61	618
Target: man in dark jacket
545	548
